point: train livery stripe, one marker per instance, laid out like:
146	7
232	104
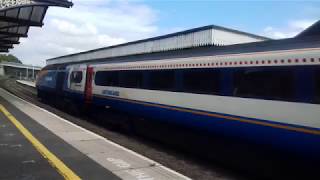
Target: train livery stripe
210	114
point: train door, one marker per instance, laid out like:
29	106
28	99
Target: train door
88	87
60	82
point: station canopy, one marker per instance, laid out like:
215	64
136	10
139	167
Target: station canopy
211	35
17	16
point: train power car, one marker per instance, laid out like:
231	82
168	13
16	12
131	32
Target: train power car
265	92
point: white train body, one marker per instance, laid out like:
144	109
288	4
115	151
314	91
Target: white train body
267	96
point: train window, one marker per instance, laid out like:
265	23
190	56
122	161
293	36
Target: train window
107	78
162	80
317	86
264	84
50	76
201	81
130	79
76	77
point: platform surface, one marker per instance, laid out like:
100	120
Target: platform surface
28	83
21	160
88	155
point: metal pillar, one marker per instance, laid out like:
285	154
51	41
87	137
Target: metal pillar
32	72
2	70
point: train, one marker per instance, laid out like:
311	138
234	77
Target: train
265	92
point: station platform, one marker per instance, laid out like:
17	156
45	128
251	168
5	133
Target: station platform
37	144
27	83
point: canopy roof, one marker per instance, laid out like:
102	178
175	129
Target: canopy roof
211	35
17	16
18	65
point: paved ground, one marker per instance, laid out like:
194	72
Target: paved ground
20	159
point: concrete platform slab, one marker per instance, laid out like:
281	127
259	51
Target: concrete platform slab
77	136
19	159
28	83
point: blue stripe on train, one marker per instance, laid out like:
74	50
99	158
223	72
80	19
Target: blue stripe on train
297	142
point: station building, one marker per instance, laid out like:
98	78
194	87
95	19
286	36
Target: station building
19	71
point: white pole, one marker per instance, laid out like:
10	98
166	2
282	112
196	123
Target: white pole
32	72
27	74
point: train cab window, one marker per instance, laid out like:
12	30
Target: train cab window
162	80
130	79
317	86
264	84
76	77
107	78
201	81
49	77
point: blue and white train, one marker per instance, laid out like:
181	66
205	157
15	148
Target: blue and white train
265	92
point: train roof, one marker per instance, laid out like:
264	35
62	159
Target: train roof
211	35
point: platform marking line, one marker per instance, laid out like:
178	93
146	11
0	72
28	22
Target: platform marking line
66	172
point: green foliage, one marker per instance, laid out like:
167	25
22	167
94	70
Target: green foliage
9	58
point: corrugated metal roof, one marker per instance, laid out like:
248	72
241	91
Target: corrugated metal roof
204	36
254	47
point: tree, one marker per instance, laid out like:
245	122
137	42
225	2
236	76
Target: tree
9	58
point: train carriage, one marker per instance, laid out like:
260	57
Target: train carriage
266	92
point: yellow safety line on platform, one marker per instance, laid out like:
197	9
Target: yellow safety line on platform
66	172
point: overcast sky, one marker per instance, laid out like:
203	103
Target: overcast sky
91	24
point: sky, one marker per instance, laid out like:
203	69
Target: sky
92	24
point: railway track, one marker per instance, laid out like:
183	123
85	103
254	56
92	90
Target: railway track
256	164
